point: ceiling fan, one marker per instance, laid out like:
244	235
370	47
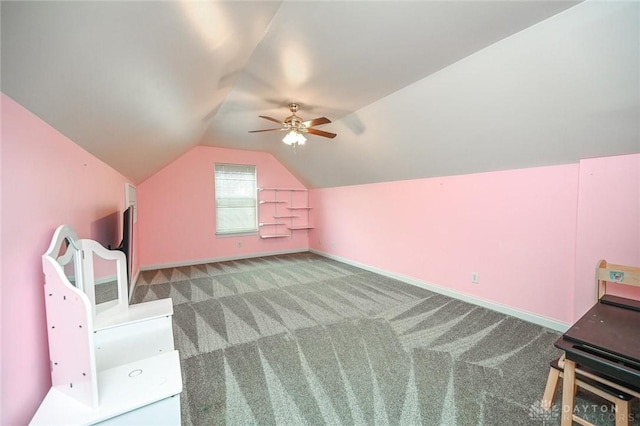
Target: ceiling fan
295	127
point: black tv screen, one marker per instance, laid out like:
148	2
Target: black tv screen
126	246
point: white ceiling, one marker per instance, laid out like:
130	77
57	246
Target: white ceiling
414	89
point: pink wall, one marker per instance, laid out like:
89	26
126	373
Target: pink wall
515	228
177	210
608	223
534	235
47	180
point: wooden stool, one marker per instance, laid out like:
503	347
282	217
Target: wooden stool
618	395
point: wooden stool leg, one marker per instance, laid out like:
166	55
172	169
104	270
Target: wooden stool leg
550	390
568	382
622	413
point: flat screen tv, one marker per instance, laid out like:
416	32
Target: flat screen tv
126	245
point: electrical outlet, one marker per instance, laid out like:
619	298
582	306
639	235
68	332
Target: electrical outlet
475	277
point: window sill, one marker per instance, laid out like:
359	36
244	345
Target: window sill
236	234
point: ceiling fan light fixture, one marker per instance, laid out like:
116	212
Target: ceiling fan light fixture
294	127
294	138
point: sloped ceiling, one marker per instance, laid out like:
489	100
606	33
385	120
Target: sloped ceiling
414	89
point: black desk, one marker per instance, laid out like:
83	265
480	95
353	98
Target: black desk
607	340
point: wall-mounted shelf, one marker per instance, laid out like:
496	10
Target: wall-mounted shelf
292	200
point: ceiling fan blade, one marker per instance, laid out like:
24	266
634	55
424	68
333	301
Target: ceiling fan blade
321	133
270	119
316	122
264	130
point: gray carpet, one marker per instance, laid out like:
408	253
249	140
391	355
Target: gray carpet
106	292
302	339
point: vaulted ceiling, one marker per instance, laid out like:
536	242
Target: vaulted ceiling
414	89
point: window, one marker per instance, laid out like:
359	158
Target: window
236	194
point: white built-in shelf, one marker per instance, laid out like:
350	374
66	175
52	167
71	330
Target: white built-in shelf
290	209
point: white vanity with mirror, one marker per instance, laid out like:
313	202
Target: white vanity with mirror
111	362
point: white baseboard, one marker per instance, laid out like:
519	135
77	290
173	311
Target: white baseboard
133	287
105	280
220	259
494	306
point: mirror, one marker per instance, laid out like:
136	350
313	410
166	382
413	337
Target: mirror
106	279
67	257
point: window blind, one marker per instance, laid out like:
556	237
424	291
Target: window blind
236	198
